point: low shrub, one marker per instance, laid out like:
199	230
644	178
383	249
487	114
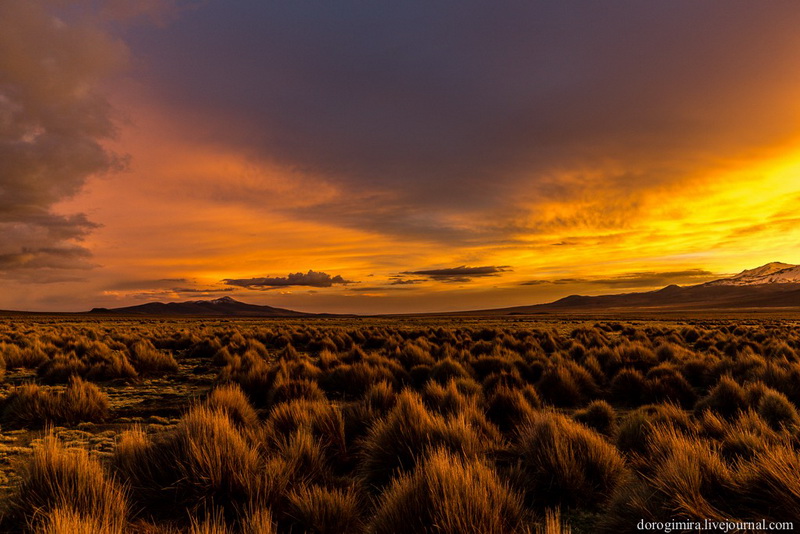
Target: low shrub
381	397
445	399
685	479
770	484
690	477
304	458
61	368
672	388
69	521
636	354
323	420
447	369
353	380
29	357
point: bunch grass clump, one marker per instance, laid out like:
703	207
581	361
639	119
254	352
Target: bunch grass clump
394	444
149	361
62	487
562	463
35	406
449	494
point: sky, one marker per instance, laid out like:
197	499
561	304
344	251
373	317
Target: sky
388	157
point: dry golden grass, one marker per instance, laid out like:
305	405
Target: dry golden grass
553	523
395	443
448	494
35	406
353	426
69	521
206	462
325	511
564	463
770	483
60	487
231	400
150	361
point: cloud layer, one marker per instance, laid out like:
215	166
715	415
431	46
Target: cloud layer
635	279
456	274
309	279
468	123
52	124
650	138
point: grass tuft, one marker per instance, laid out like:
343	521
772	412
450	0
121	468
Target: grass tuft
563	463
448	494
62	487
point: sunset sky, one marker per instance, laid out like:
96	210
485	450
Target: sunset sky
374	157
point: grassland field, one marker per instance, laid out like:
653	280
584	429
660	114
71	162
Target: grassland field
396	425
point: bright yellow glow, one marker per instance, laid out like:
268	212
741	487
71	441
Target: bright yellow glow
183	213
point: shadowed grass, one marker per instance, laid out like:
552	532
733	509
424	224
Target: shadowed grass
150	361
62	487
35	406
231	400
325	511
448	494
203	464
395	443
563	463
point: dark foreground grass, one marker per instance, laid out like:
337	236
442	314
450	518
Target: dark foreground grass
381	427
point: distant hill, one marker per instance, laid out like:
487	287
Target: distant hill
225	306
774	285
771	273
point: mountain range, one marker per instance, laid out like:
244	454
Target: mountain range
224	306
775	285
771	273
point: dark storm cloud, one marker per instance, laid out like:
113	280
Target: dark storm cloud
311	279
638	279
460	274
455	107
45	257
400	281
52	124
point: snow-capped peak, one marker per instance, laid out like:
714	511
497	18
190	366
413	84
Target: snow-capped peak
222	300
771	273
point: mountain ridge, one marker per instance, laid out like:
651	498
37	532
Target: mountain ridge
774	285
770	273
223	306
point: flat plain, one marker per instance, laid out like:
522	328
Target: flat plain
408	424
